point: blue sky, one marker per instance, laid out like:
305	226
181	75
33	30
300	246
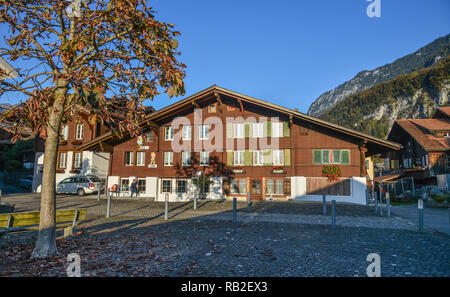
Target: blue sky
290	52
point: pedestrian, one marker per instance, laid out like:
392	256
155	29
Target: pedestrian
134	188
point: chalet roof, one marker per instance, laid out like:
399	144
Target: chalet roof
216	91
424	138
432	124
442	112
9	71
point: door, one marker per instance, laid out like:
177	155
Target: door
256	189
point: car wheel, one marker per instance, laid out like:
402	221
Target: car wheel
80	192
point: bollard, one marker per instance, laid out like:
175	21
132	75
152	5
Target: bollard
388	203
333	213
195	201
420	207
324	201
234	210
376	202
98	195
249	203
166	207
381	204
108	207
0	196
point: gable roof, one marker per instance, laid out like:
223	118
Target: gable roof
424	138
10	72
442	113
216	90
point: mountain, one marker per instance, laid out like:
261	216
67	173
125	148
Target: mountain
425	57
413	95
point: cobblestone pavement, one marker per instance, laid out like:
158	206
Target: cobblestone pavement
276	239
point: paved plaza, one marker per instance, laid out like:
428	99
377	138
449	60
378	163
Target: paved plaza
274	239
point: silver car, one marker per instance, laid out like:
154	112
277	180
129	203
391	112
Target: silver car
80	185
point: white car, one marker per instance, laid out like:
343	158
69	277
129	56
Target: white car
80	185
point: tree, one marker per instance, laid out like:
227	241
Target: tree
78	54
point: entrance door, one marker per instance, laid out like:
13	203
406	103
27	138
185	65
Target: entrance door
256	189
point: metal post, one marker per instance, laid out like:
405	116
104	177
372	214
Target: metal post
98	195
381	203
388	203
420	206
413	188
333	213
367	197
195	201
376	202
249	203
324	200
234	210
0	196
108	207
166	207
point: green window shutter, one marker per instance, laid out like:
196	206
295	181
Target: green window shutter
287	129
336	156
248	158
287	157
269	129
317	157
268	157
247	129
229	130
345	157
229	158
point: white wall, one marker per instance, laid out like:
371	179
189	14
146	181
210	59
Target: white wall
357	190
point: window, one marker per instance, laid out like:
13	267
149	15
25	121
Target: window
62	160
238	130
186	158
128	158
168	158
65	132
181	186
79	133
204	158
186	132
274	186
341	157
238	158
168	133
321	156
213	107
203	131
141	185
238	186
166	186
258	158
205	186
77	160
278	157
124	184
140	158
277	129
149	136
258	129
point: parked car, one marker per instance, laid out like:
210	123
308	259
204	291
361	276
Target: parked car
26	182
80	185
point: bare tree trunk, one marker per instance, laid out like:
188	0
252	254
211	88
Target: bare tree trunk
46	242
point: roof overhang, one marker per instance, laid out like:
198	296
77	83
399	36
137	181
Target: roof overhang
376	144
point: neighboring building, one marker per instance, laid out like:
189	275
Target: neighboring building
71	160
426	146
6	70
291	170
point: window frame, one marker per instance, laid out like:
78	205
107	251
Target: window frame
255	156
65	160
238	184
202	132
185	185
149	139
189	128
260	130
279	131
65	132
242	157
186	153
77	137
131	154
75	154
162	185
121	183
235	130
202	154
170	159
280	156
137	159
166	129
